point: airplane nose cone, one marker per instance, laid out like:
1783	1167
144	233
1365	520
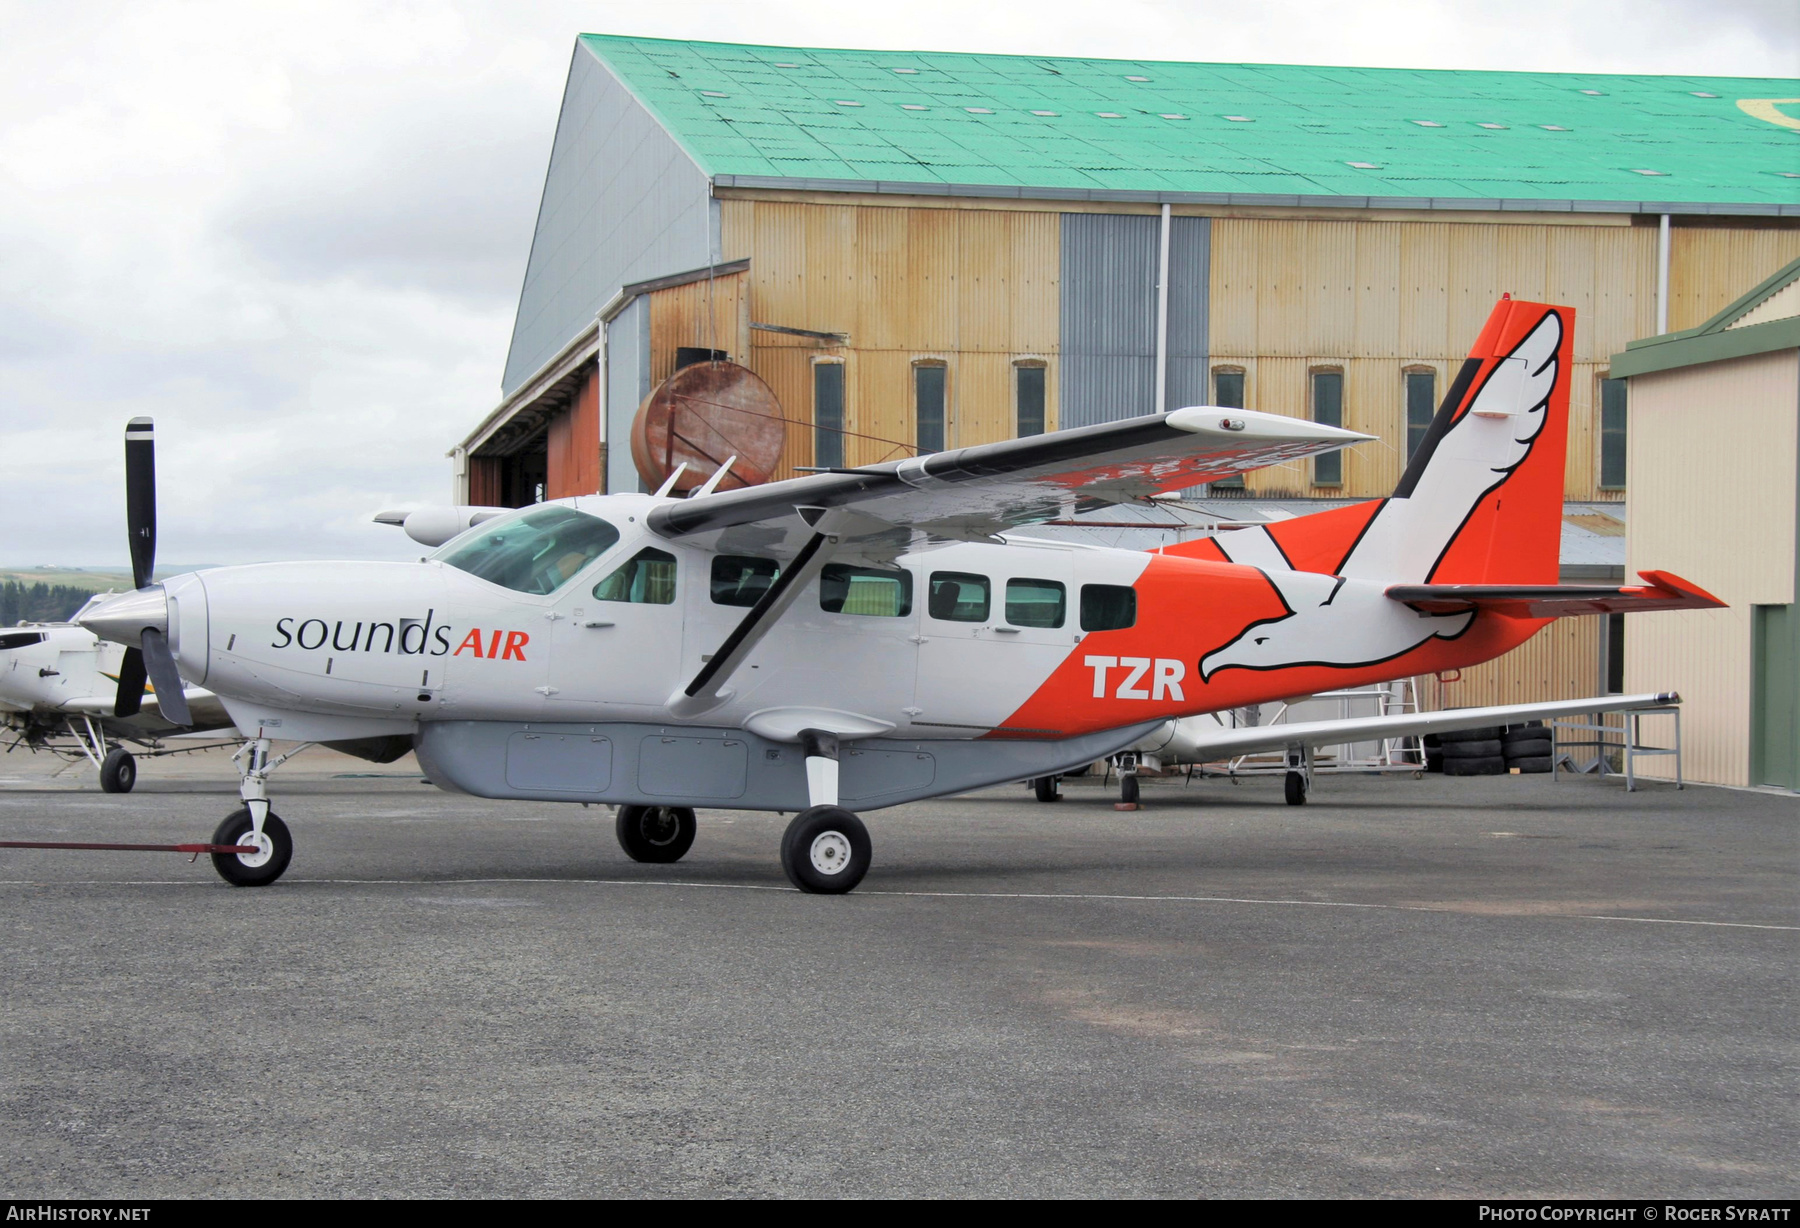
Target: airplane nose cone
123	618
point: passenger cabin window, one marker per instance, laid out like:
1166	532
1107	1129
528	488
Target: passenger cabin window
647	579
959	597
1035	603
1108	607
880	592
537	552
741	580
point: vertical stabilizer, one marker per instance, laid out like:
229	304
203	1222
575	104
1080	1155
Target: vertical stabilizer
1481	500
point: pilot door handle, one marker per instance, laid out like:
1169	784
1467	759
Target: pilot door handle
596	622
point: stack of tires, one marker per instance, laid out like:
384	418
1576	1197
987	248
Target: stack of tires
1526	747
1473	752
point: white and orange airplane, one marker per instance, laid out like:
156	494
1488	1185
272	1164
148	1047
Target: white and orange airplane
871	636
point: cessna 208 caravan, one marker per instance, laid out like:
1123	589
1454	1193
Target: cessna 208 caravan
870	636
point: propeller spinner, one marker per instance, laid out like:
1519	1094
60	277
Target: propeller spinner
148	606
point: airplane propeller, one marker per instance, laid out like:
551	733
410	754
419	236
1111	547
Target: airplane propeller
153	661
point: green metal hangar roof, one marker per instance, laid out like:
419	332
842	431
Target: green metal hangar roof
1258	134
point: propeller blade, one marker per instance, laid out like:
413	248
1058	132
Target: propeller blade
131	684
161	664
140	498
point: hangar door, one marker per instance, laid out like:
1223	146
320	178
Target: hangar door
1775	698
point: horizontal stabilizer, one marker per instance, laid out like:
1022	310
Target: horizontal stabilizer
1660	591
1225	743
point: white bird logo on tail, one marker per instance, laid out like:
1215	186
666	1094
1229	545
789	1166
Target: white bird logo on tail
1348	619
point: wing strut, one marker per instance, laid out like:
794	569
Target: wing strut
707	690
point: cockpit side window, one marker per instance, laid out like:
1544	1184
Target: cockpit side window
20	639
536	553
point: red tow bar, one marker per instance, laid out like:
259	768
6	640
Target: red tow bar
195	849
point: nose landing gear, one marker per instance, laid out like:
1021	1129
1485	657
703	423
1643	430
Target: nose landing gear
254	824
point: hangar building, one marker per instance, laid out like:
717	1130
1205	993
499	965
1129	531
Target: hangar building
920	250
1713	469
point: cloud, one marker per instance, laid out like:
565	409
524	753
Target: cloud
294	233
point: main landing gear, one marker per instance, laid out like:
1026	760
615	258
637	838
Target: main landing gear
658	834
826	849
253	823
1299	775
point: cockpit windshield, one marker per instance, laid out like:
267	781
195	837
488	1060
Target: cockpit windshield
538	552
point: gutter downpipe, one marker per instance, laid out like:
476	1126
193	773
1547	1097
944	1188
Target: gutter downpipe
1662	276
1162	315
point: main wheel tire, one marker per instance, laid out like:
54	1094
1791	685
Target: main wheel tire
826	850
1128	789
1485	733
1530	764
1045	788
118	771
1474	765
1486	749
252	869
657	834
1294	787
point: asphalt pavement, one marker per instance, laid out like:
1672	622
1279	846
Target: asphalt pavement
1501	987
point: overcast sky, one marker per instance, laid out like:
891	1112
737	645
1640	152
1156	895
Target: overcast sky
294	233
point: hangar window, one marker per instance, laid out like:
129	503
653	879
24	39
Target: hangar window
1612	434
1228	393
1108	607
1035	603
881	592
1328	410
538	552
647	579
741	580
928	405
828	415
1028	382
1421	407
959	597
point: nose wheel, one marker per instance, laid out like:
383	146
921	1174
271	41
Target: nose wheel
274	848
118	772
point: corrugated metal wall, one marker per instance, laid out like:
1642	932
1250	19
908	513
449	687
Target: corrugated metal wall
621	203
1376	298
1190	294
627	384
1711	478
1709	267
1108	315
1560	662
974	289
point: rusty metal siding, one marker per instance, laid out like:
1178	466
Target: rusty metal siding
622	203
1108	316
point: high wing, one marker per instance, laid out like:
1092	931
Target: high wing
971	494
1660	591
1224	743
